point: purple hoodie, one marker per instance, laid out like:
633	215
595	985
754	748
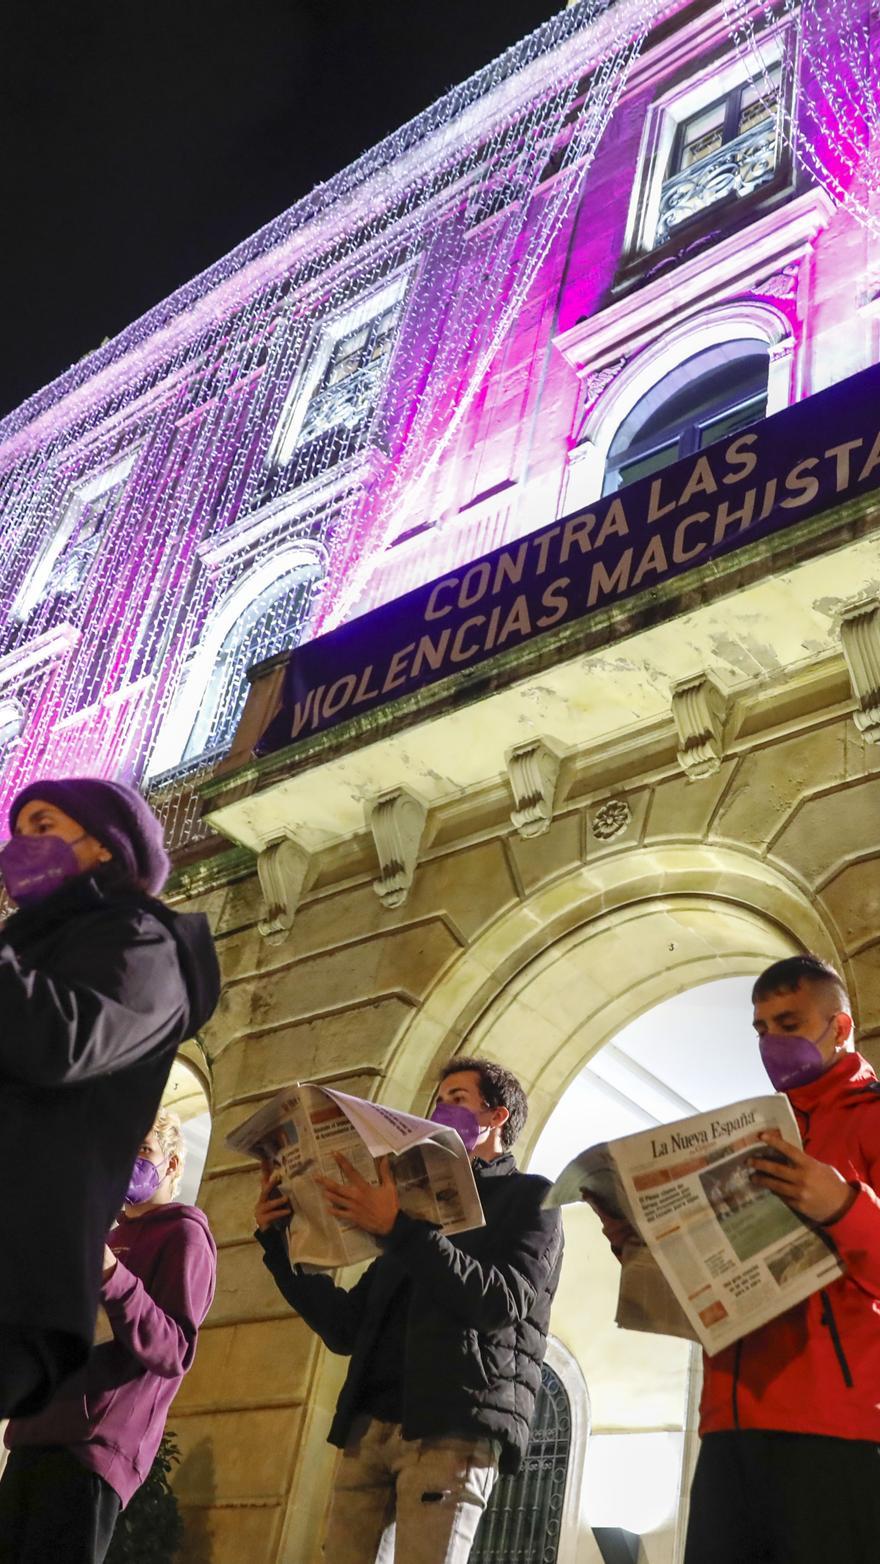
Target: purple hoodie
112	1413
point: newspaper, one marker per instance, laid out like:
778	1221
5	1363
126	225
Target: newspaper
712	1254
301	1130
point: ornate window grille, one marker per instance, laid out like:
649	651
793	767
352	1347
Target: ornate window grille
523	1520
726	150
350	385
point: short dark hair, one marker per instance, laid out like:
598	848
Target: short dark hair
787	975
499	1089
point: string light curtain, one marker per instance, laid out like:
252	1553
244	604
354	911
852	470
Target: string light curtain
278	420
831	121
284	406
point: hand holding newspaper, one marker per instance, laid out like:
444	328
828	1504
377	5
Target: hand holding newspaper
712	1255
301	1130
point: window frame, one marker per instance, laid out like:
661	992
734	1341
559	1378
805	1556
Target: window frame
327	337
81	493
687	95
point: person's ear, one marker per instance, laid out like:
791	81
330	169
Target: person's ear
843	1028
500	1116
173	1167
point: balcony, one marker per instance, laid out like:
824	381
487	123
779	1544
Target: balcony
736	169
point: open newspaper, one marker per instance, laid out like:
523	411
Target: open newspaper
300	1131
713	1254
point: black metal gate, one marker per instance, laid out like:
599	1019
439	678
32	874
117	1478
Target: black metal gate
523	1520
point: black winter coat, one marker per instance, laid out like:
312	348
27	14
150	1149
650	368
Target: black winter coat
98	987
478	1314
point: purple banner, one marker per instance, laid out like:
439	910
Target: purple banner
752	485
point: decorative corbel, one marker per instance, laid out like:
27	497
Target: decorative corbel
860	639
699	708
284	873
397	822
533	773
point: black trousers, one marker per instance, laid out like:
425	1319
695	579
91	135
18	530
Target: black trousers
53	1510
767	1498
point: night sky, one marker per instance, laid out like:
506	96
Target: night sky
142	139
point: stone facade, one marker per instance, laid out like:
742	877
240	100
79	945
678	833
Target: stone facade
532	951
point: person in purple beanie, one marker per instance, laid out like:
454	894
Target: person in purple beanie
76	1463
99	984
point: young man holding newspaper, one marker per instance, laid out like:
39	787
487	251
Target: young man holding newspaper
789	1467
446	1337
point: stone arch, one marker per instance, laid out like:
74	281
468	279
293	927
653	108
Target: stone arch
743	319
552	980
303	556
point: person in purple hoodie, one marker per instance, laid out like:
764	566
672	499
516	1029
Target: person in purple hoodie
75	1464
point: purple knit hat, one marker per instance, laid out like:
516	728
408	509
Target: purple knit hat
116	816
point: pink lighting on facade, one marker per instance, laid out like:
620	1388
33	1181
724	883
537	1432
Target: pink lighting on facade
425	359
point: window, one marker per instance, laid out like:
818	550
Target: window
342	383
272	622
727	149
712	155
65	562
706	398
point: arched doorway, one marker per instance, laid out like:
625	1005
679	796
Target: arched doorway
186	1091
690	1052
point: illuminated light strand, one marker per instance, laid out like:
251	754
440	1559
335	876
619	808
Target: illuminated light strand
832	124
199	388
457	204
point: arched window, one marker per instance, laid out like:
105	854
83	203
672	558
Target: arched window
707	397
523	1520
272	622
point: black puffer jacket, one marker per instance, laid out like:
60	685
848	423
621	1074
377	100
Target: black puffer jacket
98	987
478	1314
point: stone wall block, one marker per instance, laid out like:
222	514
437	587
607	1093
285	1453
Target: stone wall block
541	858
853	901
227	1534
404	960
681	810
235	1456
266	1362
827	831
769	783
245	1290
357	1036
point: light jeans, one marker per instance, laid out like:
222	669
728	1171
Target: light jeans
408	1501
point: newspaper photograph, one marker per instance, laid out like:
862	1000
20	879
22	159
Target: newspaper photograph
711	1255
301	1130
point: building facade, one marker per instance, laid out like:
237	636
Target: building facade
510	431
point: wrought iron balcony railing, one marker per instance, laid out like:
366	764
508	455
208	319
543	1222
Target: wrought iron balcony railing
735	169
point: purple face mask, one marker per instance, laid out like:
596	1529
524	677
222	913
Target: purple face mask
455	1117
791	1060
145	1180
33	867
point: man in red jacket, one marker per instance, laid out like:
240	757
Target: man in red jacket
789	1467
73	1465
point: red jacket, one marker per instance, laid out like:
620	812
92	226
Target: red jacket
816	1369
